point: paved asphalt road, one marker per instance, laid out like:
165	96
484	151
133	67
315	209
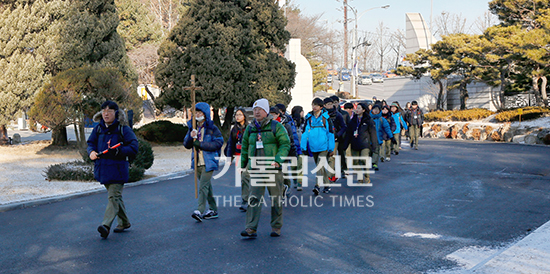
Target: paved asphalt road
467	193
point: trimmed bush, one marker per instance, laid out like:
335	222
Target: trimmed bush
162	132
529	113
458	115
76	170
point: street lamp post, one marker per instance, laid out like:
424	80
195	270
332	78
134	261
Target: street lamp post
353	53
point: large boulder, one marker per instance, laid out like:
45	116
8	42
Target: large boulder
543	137
518	139
530	139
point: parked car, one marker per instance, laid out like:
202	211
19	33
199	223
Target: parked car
329	78
365	80
377	78
344	76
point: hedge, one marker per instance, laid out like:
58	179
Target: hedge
458	115
529	113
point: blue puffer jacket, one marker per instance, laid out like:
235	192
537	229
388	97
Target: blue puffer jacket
212	142
382	126
318	136
112	169
399	121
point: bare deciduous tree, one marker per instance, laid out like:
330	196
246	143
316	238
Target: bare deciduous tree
450	23
485	21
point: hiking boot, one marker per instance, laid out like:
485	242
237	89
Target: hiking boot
121	228
197	216
415	148
367	182
275	232
249	232
103	231
299	188
375	166
326	189
382	159
210	214
412	144
388	159
316	190
396	152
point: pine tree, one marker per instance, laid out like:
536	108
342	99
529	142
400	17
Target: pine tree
25	39
137	26
235	50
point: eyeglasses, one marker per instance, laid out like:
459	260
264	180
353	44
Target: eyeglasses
109	111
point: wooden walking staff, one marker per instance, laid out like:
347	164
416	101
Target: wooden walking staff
193	88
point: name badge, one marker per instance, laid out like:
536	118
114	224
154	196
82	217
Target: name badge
259	145
356	133
415	117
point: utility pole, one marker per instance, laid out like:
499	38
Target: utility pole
346	34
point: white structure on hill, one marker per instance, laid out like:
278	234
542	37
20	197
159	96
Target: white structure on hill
302	93
418	33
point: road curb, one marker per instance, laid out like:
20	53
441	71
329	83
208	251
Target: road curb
59	198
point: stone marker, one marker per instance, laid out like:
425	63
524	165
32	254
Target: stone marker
16	139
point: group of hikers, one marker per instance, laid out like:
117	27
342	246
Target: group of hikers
364	133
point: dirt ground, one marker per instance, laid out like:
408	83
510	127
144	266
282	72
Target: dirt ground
22	169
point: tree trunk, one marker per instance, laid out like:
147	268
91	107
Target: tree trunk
229	112
217	117
3	135
537	90
440	95
76	132
59	136
463	95
543	91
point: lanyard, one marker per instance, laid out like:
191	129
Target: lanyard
259	128
199	134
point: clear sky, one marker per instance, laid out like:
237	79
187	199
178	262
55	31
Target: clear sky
394	16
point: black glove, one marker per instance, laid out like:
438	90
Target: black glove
393	141
112	152
197	144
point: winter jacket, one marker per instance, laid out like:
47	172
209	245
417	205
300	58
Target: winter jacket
415	117
399	122
318	133
292	131
276	146
366	134
392	124
112	169
382	126
339	124
212	141
235	140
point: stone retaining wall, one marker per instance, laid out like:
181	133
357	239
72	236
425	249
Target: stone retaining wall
486	132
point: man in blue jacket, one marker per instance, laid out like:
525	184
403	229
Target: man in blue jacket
207	141
111	167
382	127
318	140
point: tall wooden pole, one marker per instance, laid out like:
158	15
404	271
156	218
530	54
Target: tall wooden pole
193	88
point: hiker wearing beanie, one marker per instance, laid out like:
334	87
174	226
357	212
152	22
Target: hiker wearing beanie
416	118
339	132
389	139
399	124
318	140
265	138
382	127
340	145
295	150
110	145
